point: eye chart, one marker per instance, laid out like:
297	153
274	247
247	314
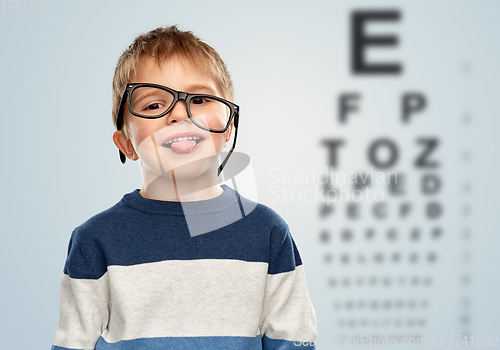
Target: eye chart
399	179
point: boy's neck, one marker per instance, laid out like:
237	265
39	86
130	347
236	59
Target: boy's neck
205	194
170	188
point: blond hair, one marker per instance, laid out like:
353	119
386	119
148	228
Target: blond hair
164	43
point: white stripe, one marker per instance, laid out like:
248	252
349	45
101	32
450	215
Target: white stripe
288	313
185	298
181	298
83	313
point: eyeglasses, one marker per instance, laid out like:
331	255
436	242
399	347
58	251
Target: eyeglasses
152	101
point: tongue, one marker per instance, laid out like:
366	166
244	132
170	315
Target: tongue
183	146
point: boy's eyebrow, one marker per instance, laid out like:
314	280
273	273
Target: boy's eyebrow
202	87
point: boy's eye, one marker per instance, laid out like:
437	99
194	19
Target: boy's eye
154	106
198	100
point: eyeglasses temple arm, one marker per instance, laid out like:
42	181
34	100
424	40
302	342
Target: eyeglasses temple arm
119	121
236	120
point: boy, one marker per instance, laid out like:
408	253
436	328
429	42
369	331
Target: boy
182	263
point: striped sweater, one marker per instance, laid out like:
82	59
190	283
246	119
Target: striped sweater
222	273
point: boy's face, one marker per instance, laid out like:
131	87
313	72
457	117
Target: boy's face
148	136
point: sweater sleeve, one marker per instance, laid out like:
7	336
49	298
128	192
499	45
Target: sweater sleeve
83	309
288	319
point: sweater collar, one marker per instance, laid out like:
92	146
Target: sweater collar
222	202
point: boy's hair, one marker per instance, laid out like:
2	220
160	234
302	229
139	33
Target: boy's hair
164	44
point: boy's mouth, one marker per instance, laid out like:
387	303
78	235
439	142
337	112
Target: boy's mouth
184	144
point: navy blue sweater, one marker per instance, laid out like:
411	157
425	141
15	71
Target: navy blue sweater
222	273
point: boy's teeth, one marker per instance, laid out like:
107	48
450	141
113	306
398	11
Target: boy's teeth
183	138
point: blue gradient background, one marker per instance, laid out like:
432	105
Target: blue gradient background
289	61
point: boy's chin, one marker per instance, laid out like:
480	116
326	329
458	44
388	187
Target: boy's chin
181	169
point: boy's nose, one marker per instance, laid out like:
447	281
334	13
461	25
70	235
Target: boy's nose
177	113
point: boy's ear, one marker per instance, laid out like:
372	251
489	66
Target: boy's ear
228	133
124	145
